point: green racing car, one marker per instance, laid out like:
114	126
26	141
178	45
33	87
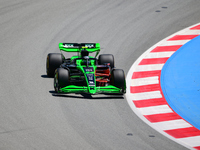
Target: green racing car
83	73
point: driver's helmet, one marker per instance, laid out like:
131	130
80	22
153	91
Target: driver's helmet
84	52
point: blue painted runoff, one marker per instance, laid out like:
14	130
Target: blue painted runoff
180	81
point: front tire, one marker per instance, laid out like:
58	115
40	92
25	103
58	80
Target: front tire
61	79
118	79
54	60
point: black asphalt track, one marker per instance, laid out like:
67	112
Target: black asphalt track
33	116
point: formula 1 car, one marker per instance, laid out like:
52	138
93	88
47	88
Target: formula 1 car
84	73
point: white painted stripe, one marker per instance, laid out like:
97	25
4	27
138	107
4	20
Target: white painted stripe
148	67
155	110
145	81
190	32
159	54
172	124
146	95
173	43
191	141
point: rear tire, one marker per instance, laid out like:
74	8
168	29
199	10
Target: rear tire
107	58
61	79
118	79
54	60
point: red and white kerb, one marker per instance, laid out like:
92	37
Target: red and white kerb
144	93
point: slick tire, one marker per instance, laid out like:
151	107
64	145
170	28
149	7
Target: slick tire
118	79
54	60
107	58
61	78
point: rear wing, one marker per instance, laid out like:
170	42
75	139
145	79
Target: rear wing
77	47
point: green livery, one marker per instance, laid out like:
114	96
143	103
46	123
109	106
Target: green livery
83	73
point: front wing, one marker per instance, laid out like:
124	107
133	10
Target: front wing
91	90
